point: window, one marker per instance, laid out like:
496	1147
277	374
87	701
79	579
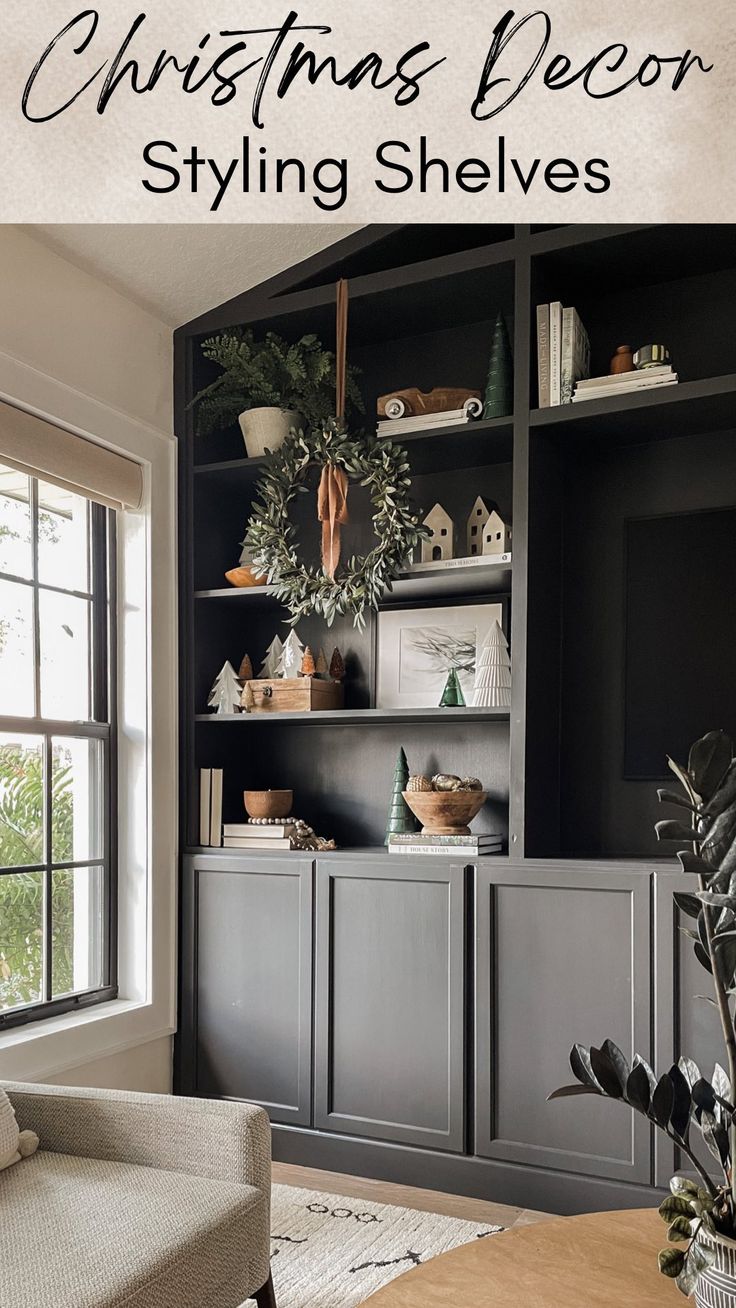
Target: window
57	756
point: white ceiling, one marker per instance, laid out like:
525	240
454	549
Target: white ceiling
179	271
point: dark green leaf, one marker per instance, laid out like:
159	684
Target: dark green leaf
671	830
694	863
671	1262
709	760
662	1101
689	904
681	1103
671	797
638	1091
683	1186
703	956
675	1205
724	796
689	1069
618	1062
680	1229
703	1096
567	1091
724	947
605	1073
581	1066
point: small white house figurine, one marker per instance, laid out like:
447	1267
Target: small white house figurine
479	515
441	543
496	535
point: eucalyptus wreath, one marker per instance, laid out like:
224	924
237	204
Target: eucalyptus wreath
270	536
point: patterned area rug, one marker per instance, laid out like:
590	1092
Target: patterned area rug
332	1252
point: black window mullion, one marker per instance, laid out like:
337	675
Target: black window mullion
33	497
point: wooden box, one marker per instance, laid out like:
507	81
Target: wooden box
295	695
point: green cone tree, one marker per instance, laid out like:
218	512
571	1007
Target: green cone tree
498	401
401	820
452	695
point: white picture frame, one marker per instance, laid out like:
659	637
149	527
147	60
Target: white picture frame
415	649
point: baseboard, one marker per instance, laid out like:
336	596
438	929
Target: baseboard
479	1178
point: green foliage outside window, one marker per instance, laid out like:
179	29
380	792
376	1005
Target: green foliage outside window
21	894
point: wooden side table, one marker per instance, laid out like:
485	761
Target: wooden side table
599	1260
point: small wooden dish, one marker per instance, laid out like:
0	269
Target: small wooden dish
243	577
268	803
445	812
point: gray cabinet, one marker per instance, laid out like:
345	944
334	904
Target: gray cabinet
249	981
561	956
684	1024
390	1000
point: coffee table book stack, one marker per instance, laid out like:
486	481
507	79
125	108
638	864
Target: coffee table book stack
471	846
259	835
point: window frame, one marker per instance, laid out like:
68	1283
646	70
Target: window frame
102	726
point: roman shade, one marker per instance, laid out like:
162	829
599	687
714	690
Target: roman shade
39	449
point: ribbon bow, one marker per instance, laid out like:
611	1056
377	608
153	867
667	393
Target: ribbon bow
332	511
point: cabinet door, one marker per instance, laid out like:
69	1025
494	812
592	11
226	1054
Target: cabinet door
562	956
389	1001
250	979
683	1024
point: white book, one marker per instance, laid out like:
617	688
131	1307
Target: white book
216	808
256	842
205	787
270	831
624	378
611	392
446	851
427	419
447	565
575	364
555	353
407	426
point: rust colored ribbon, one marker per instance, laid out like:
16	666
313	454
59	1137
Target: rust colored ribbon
332	511
332	496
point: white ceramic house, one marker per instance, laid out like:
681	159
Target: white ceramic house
477	519
441	543
496	535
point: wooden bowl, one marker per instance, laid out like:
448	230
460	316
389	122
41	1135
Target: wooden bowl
445	812
244	577
268	803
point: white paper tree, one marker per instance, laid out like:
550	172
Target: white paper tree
271	661
225	693
493	672
290	660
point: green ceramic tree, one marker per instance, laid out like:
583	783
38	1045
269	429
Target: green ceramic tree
499	397
401	820
452	695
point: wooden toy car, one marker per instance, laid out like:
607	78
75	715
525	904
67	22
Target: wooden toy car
412	403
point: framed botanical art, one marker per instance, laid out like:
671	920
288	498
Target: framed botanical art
416	648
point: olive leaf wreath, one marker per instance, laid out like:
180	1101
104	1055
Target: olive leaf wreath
379	465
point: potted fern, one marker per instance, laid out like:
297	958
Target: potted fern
269	385
700	1212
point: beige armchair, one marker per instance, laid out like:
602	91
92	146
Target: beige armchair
134	1200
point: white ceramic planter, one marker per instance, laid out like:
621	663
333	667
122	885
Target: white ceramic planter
716	1286
267	429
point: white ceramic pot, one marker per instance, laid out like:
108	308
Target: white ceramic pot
716	1286
267	429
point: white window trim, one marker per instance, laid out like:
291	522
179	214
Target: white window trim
147	746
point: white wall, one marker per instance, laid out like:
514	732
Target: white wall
78	331
75	328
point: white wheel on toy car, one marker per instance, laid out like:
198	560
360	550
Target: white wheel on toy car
473	408
395	408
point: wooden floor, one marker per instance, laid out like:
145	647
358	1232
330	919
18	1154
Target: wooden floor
406	1196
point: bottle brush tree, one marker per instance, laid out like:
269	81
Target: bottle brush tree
682	1099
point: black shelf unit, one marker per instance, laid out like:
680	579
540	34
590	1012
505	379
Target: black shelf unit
573	479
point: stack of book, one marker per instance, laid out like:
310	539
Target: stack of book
563	353
471	846
399	427
623	383
257	835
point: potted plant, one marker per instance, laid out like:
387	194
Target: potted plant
700	1214
269	385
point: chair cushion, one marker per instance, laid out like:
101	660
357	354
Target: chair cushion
87	1234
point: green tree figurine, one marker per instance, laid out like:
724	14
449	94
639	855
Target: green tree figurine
401	820
452	695
499	397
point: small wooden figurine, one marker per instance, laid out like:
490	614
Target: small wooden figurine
245	671
496	535
441	542
321	664
623	360
247	699
308	668
337	666
478	517
412	403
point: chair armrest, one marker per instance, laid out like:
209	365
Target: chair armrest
218	1139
